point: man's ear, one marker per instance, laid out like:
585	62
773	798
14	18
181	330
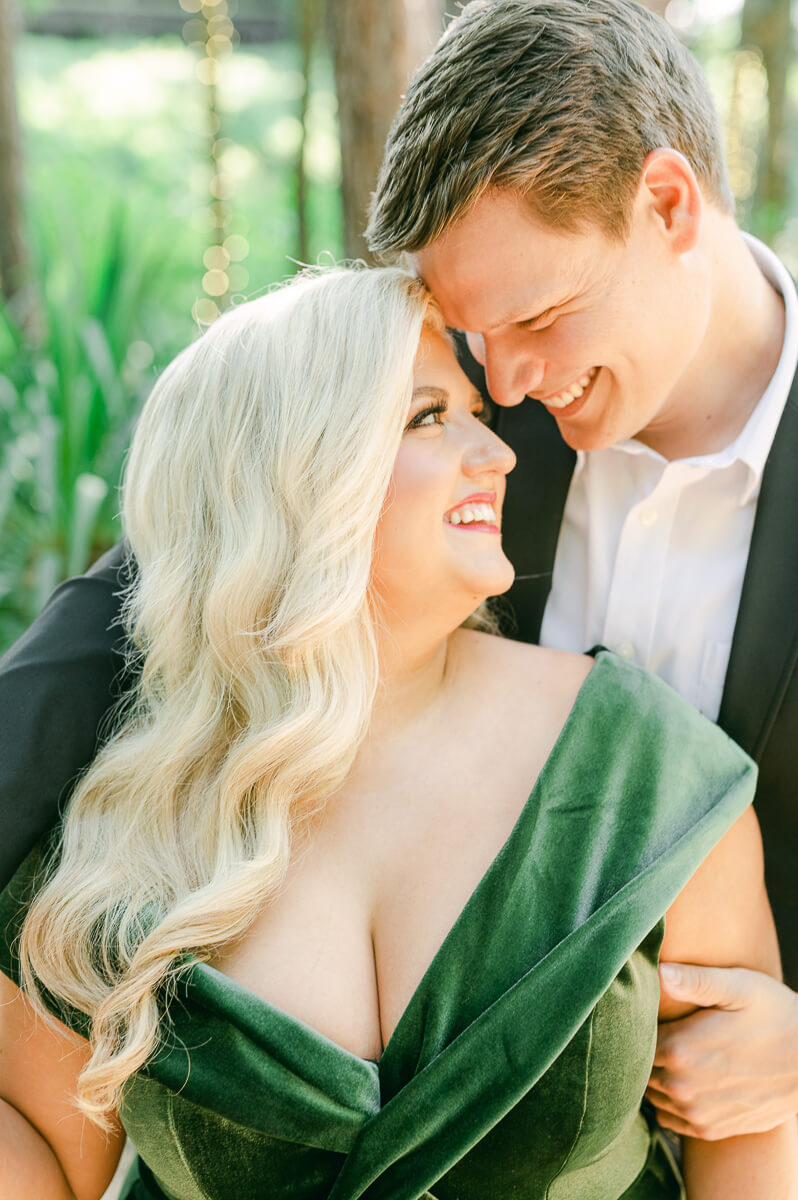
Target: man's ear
670	190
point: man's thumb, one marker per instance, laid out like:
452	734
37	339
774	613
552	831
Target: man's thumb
709	987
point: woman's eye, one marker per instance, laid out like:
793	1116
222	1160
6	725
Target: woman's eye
428	417
485	413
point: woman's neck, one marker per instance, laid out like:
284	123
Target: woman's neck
413	681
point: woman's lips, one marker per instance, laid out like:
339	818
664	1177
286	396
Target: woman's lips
476	512
476	527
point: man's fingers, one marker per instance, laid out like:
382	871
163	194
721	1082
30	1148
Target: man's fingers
663	1103
658	1082
684	1128
708	987
672	1038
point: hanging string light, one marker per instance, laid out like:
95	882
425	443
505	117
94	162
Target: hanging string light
210	29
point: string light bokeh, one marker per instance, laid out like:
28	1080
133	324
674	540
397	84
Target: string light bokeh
210	30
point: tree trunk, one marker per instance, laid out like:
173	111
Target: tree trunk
369	54
426	21
13	259
766	26
307	18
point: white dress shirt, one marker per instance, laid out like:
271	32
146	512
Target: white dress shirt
651	555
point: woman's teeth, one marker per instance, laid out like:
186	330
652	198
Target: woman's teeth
573	392
469	513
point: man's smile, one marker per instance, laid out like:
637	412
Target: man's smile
565	397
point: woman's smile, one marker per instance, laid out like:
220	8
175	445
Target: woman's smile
476	513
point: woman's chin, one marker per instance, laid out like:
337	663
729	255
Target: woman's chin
492	581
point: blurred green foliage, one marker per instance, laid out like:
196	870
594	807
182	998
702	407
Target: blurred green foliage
67	399
117	174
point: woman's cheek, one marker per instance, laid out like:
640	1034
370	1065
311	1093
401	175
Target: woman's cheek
421	481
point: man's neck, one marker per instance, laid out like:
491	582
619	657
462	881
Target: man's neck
737	358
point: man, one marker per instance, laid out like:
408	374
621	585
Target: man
556	170
556	174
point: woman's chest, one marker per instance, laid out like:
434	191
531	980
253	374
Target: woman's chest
368	904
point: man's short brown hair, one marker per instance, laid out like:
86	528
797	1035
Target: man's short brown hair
559	100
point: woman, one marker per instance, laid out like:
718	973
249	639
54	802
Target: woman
360	900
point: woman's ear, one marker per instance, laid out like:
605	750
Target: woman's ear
668	186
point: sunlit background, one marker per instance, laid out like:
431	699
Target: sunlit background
169	157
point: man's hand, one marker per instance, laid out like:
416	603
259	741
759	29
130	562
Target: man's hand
731	1068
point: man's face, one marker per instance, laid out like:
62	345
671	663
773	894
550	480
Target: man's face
601	332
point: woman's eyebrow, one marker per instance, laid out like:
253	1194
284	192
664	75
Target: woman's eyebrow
435	393
440	394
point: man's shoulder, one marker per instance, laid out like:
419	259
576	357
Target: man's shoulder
59	683
81	616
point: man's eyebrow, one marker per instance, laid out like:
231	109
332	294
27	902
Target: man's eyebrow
522	314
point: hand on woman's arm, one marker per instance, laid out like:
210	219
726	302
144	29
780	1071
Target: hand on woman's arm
731	1067
48	1150
722	919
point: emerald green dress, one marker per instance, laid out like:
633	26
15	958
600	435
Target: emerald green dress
518	1068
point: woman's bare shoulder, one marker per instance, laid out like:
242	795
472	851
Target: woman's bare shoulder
524	676
522	660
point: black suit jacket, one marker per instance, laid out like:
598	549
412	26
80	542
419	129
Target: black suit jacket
58	683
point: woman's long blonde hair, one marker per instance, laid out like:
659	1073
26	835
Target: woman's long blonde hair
252	493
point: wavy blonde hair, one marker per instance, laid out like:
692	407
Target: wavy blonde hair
252	493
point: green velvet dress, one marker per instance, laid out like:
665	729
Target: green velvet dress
518	1068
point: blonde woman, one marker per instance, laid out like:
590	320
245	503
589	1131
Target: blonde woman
360	900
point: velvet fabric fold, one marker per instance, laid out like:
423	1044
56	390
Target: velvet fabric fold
518	1068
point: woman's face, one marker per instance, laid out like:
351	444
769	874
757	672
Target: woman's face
439	546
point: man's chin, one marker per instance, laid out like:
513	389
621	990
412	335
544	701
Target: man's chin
584	438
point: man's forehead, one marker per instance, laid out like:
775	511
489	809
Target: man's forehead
477	293
498	262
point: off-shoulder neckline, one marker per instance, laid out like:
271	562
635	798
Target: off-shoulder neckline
239	991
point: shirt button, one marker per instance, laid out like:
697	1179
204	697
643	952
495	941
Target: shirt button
626	650
649	517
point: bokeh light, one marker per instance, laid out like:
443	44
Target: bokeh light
216	258
205	311
237	247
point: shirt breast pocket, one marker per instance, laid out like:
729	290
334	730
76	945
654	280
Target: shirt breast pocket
714	664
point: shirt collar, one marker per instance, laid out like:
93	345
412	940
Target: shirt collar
752	445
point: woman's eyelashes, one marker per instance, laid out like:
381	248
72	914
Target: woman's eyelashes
435	411
421	419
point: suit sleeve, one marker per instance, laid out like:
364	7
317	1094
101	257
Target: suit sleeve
57	684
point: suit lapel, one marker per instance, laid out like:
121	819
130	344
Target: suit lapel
534	505
765	643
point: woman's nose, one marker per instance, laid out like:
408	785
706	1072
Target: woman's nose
487	452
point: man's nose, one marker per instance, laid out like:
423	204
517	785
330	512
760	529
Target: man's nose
513	370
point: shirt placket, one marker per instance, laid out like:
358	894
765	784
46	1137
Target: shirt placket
639	570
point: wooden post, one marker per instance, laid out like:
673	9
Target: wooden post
369	53
766	26
13	257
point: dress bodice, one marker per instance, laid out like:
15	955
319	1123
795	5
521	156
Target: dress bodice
518	1067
